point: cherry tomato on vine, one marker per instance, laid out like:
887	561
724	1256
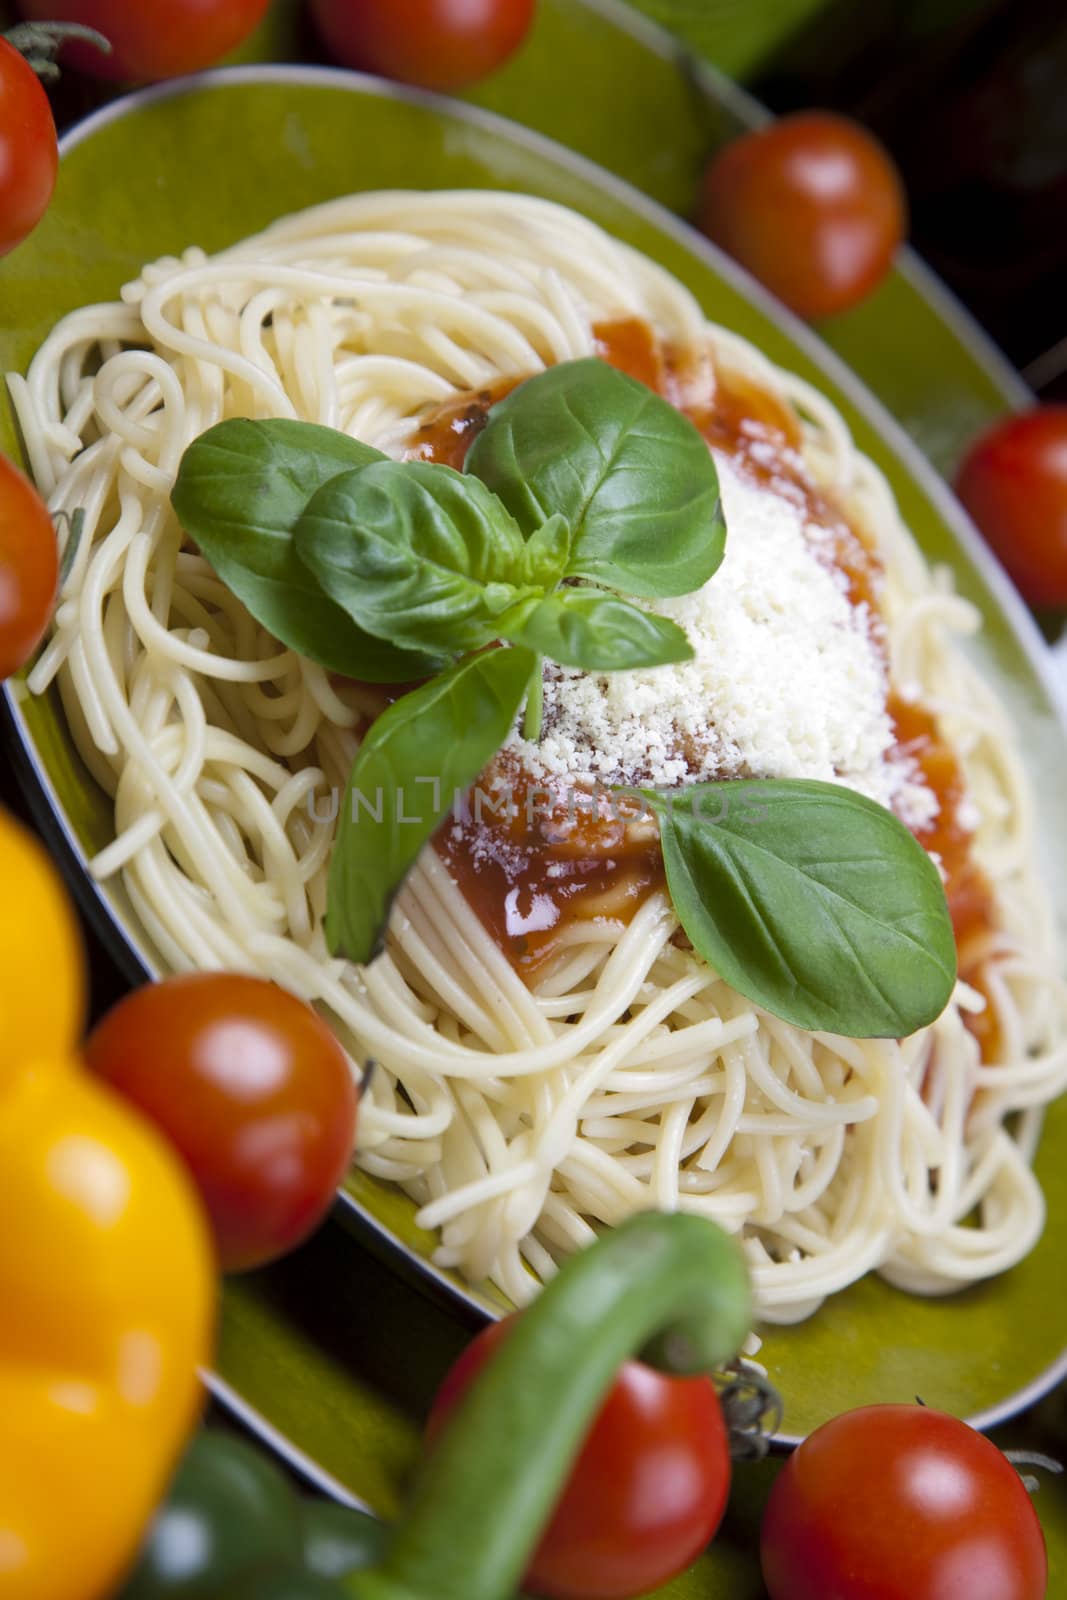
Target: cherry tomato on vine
812	205
1014	484
160	39
901	1503
254	1091
28	153
435	44
647	1492
29	568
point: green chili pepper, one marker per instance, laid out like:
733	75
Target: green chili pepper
229	1511
337	1540
293	1584
232	1520
673	1287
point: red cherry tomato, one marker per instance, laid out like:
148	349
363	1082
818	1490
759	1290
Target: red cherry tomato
647	1492
812	205
436	44
1014	484
901	1503
254	1091
28	153
29	568
151	38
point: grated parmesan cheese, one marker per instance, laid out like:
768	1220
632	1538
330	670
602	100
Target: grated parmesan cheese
787	681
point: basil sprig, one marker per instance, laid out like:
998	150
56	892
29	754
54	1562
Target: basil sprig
810	900
392	571
418	756
583	488
388	570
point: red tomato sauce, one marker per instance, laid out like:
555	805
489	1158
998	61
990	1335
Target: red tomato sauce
451	429
970	894
542	860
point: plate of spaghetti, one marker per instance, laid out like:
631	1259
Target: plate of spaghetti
576	1010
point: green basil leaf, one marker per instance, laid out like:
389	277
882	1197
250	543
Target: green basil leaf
811	900
241	489
632	476
546	553
596	631
430	744
415	553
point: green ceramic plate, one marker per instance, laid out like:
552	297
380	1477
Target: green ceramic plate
216	158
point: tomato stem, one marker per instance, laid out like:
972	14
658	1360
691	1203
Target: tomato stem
752	1409
41	42
1032	1458
75	528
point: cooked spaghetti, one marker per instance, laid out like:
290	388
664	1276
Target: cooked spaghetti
553	1056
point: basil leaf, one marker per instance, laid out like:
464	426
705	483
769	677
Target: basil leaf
240	490
812	901
631	475
415	553
430	744
597	632
546	552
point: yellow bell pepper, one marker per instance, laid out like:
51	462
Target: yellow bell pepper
42	973
106	1278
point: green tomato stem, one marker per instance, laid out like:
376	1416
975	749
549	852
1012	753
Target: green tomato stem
535	703
41	42
674	1286
75	528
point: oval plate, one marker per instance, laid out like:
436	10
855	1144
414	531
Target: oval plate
229	152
